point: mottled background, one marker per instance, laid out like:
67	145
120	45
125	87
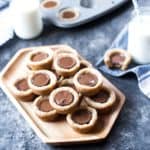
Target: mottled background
131	130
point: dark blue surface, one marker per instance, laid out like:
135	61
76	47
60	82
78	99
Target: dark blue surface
131	130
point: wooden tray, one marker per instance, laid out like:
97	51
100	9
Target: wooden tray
57	132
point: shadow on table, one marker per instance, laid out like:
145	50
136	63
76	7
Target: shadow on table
105	144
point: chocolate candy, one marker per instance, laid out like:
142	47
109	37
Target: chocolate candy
45	106
22	85
39	56
82	116
40	79
66	62
102	96
117	59
63	98
88	79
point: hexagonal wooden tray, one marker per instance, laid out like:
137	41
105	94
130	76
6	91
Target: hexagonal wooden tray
57	132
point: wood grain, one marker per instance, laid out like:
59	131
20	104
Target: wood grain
58	132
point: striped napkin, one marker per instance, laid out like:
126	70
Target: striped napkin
4	3
142	71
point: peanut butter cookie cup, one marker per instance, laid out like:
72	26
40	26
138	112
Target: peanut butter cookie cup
49	4
43	109
42	82
66	64
83	119
69	14
21	90
40	59
88	81
103	101
64	99
117	58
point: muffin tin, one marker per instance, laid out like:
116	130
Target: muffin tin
85	11
55	132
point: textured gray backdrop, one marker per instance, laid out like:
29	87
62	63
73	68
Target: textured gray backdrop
131	130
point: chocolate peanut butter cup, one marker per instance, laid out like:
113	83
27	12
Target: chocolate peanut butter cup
42	82
82	116
64	99
83	119
69	14
66	64
117	58
43	109
39	56
88	81
40	79
102	96
21	90
45	106
40	59
103	101
49	4
22	85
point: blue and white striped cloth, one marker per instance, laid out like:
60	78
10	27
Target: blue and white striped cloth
142	71
4	4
